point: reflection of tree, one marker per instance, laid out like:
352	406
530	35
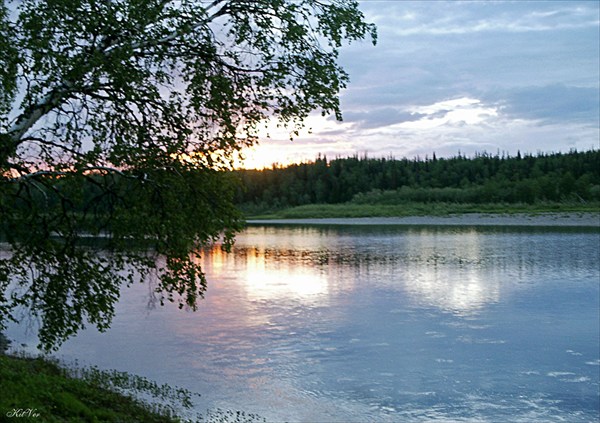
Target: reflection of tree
457	270
460	284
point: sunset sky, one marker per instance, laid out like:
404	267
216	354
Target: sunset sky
461	76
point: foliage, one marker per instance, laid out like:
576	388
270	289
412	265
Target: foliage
120	119
572	177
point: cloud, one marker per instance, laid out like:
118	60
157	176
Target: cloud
471	125
475	43
457	112
379	117
463	76
458	18
554	103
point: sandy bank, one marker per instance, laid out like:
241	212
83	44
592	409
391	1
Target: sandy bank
472	219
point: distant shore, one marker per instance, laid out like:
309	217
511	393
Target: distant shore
566	219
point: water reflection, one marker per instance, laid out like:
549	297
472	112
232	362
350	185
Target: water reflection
283	281
459	291
378	324
267	274
452	270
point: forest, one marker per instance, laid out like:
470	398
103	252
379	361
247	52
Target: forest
572	177
99	201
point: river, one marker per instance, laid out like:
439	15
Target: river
376	323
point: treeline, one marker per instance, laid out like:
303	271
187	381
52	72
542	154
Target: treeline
484	178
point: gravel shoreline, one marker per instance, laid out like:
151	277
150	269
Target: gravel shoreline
472	219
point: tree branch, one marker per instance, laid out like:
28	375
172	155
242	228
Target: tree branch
29	117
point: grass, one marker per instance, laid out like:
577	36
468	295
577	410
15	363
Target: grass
348	210
39	390
35	389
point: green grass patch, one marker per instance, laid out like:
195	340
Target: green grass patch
39	390
349	210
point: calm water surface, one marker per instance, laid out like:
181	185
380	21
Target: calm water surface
395	324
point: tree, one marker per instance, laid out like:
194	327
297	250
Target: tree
120	118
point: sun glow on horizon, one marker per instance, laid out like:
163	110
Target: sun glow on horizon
279	146
265	156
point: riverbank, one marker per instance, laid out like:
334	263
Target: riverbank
564	219
36	389
45	389
411	209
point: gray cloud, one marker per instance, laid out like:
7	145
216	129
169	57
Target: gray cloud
534	64
554	103
420	69
422	18
378	117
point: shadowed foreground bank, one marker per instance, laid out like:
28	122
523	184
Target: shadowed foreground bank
35	389
42	390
